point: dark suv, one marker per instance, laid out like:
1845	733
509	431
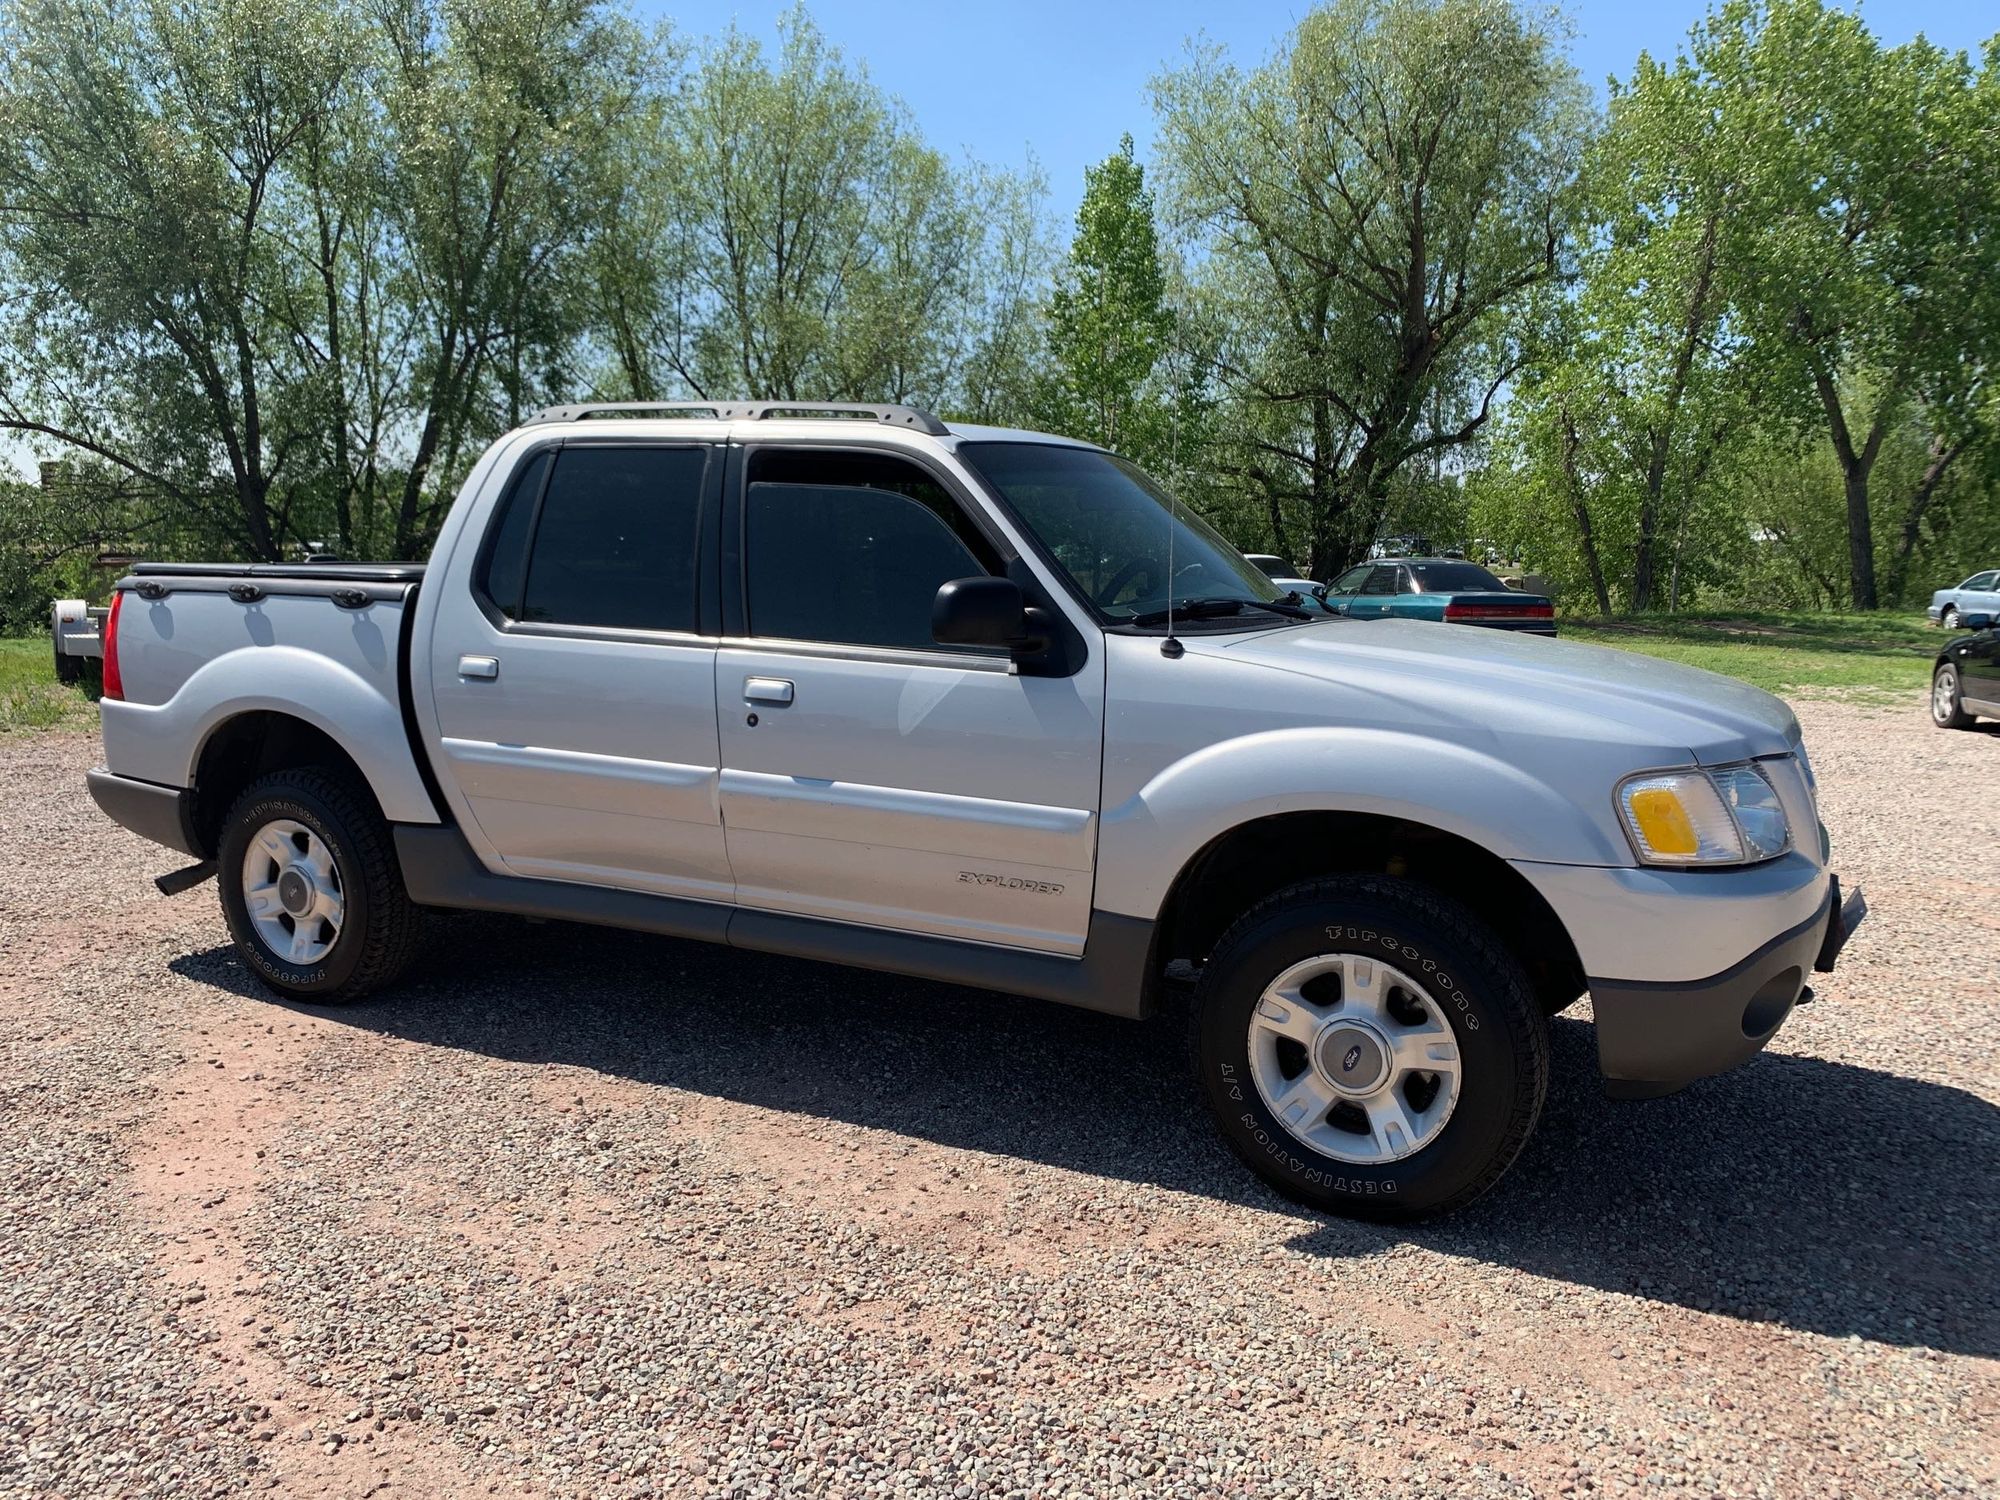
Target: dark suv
1965	682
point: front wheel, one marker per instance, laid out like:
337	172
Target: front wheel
1370	1048
1949	619
311	889
1947	708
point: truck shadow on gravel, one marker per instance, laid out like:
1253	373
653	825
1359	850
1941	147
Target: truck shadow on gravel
1820	1196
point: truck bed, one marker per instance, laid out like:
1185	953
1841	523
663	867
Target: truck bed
344	572
326	643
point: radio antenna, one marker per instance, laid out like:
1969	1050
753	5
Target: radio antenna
1171	648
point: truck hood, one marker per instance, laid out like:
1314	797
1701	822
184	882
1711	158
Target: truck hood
1480	684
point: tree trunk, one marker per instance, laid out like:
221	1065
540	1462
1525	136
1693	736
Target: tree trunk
1323	563
1941	458
1580	508
1855	467
1860	540
443	390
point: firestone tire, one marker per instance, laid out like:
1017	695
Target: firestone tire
1448	967
378	928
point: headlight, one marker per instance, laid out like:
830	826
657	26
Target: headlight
1724	817
1760	817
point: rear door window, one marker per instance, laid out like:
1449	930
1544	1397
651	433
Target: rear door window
1454	577
615	539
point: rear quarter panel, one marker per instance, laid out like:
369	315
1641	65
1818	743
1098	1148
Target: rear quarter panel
194	660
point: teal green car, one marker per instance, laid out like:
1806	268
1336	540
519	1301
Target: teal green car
1438	588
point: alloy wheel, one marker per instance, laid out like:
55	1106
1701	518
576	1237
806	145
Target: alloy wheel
292	891
1354	1058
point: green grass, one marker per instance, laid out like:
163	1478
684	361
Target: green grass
30	696
1880	658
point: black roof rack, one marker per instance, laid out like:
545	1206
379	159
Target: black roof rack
755	411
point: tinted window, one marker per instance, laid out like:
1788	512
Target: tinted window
1454	577
1351	581
1381	581
1121	539
615	544
851	549
506	560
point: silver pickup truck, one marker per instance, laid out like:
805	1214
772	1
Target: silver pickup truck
987	707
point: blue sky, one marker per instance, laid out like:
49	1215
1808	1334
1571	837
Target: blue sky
1063	78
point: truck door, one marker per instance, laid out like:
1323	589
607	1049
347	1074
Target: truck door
574	688
869	775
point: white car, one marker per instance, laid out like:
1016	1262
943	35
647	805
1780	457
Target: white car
819	681
1979	594
1287	577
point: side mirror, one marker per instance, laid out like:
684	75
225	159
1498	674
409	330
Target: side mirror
1979	620
989	612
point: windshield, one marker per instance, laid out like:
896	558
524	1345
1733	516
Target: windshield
1453	577
1108	526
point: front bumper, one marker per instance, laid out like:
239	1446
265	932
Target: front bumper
1654	1038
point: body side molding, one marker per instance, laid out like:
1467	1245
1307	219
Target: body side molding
1113	976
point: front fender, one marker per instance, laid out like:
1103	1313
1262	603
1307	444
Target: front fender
1147	840
162	743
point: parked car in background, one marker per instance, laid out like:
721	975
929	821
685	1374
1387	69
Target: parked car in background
1981	592
1965	680
1437	588
1287	576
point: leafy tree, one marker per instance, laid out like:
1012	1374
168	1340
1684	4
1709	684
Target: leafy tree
142	154
801	242
503	118
1109	325
275	260
1376	210
1863	229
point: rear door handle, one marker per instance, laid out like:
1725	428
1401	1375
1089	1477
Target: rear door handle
485	668
767	690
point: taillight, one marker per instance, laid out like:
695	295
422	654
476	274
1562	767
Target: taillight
1457	612
114	685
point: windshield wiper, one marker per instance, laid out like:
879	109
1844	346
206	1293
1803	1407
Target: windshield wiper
1219	605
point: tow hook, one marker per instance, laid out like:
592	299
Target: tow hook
184	880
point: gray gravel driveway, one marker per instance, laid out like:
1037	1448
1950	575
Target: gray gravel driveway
587	1213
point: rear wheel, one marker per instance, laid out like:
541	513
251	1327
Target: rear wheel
1370	1047
1947	709
311	889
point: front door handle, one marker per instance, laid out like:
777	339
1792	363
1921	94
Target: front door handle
767	690
486	668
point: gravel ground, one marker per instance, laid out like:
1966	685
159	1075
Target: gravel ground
577	1212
